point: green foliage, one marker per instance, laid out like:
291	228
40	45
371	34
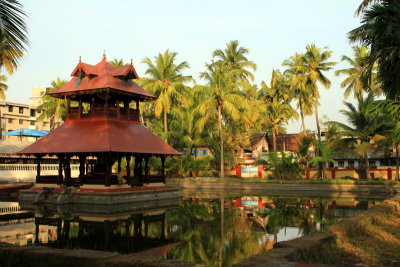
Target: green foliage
13	34
283	166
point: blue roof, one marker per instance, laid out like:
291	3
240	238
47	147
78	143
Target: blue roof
27	132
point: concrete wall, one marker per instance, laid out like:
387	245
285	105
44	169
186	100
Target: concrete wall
387	173
27	172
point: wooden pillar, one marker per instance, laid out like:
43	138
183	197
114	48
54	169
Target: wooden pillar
146	169
163	168
107	179
38	159
80	109
128	169
140	171
92	107
67	170
126	109
118	110
60	169
119	163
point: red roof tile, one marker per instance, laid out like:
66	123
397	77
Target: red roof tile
103	75
100	135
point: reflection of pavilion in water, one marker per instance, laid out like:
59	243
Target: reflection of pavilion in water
124	233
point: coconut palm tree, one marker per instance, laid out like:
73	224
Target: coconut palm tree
326	155
53	108
276	103
13	34
301	91
3	87
363	130
117	62
222	98
380	30
235	57
314	64
166	81
360	77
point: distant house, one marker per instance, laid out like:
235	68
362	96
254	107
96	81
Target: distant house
198	151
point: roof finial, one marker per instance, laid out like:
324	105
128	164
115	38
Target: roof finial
80	59
131	61
104	55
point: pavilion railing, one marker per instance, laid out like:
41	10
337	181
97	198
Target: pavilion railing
112	112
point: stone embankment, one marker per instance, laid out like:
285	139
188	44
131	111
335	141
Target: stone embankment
304	189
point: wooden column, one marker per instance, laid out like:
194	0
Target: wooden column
163	168
82	160
128	169
140	171
67	170
107	179
126	109
80	109
146	169
60	169
119	163
118	110
38	159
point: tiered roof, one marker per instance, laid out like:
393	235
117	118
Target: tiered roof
87	79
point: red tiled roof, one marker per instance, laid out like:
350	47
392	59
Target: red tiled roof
100	135
101	76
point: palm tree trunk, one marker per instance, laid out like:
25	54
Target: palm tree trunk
165	122
317	151
317	122
397	163
221	141
274	139
366	165
303	125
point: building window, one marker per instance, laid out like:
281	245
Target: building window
10	120
44	124
350	164
21	121
341	164
33	113
32	123
10	130
21	110
372	164
205	152
10	108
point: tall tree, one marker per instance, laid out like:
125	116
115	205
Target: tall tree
13	34
360	77
166	81
276	103
380	30
235	57
53	108
301	91
222	98
362	131
314	64
3	87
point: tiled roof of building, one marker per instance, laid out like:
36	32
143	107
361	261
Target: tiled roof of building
103	75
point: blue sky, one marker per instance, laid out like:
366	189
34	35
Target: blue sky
61	31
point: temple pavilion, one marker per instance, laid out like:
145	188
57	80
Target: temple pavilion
102	127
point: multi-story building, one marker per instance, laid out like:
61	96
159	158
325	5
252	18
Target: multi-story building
17	115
